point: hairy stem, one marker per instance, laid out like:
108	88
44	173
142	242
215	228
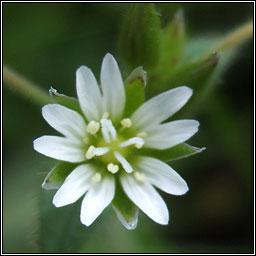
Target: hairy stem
24	87
236	37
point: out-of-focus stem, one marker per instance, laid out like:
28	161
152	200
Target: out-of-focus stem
24	87
236	37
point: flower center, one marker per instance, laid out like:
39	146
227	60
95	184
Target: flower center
109	147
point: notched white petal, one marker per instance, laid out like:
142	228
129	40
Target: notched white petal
74	186
60	148
112	87
160	107
171	134
162	176
97	199
146	198
88	93
66	121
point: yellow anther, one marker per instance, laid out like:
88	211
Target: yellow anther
140	177
93	127
113	168
90	152
105	115
137	145
142	135
96	177
126	122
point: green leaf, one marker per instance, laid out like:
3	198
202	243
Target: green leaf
69	102
57	175
172	43
177	152
126	210
139	37
134	96
60	228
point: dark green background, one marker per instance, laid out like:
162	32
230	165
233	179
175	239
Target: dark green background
47	43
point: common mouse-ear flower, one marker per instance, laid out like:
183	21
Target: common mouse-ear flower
111	152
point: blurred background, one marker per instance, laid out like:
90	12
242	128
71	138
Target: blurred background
47	42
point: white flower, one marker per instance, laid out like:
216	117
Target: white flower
108	146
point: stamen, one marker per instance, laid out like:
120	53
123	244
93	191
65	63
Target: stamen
138	146
139	142
105	115
90	152
100	151
113	168
140	177
126	122
93	127
96	177
142	135
108	129
127	167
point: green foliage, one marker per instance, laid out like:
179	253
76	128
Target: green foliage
139	37
60	229
177	152
57	175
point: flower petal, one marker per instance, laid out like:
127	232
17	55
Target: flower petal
64	120
171	134
160	107
146	198
112	87
162	176
74	186
60	148
88	93
97	198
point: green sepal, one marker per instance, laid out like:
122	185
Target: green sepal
172	43
177	152
137	73
57	175
139	37
134	90
69	102
198	73
126	210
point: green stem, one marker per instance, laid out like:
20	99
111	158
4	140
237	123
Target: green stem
24	87
236	37
233	39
